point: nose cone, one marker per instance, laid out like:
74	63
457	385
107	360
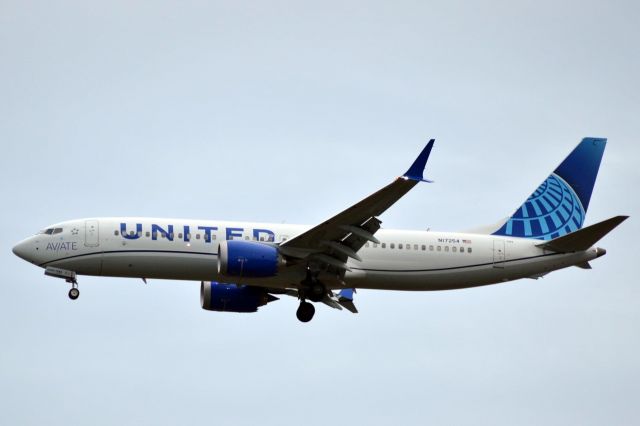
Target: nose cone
21	250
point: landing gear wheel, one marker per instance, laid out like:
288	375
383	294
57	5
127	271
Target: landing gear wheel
305	312
74	293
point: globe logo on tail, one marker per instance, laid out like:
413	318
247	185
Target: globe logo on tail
551	211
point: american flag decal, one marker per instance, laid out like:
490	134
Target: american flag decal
466	241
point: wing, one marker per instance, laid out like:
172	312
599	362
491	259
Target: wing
331	243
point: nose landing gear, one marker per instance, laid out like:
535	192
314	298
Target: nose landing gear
74	293
68	276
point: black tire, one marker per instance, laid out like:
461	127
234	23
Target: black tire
74	293
305	312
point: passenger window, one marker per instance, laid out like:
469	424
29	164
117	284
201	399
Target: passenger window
155	235
246	238
399	246
179	235
415	247
430	248
116	233
408	246
375	245
392	245
461	249
468	249
384	245
189	236
148	234
197	236
162	235
171	235
446	248
213	236
261	238
132	233
454	249
439	248
366	245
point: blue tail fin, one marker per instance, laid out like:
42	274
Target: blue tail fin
559	205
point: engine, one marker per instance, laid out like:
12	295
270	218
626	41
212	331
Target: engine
248	259
232	298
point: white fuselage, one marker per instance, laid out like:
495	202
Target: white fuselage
183	249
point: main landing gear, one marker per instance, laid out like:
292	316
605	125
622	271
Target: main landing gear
311	289
305	311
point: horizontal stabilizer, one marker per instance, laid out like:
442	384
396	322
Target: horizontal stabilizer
584	238
583	265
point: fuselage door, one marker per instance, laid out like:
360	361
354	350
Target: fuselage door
91	233
498	253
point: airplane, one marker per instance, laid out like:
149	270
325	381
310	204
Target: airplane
242	266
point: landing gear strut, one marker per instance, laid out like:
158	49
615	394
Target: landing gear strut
305	311
74	293
68	276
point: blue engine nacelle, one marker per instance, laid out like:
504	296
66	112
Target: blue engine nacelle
232	298
248	259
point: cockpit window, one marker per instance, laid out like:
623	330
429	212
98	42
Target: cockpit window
50	231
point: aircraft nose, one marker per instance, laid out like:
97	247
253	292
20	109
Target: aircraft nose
21	250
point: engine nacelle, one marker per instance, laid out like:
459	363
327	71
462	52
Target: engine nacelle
232	298
247	259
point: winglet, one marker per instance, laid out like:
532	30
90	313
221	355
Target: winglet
417	168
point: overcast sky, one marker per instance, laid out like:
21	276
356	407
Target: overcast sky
291	111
